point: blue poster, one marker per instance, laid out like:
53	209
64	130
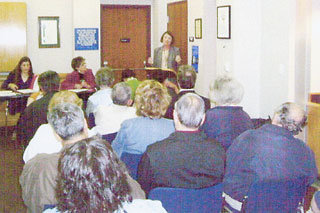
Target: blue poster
195	57
86	38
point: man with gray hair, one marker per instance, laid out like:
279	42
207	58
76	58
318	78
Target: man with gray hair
39	175
38	178
187	149
108	119
271	152
104	79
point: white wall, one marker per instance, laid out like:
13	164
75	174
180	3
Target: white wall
315	47
81	20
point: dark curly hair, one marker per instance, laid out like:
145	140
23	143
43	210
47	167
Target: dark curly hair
91	178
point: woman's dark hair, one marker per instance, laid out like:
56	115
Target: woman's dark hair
17	69
76	62
170	34
127	73
91	178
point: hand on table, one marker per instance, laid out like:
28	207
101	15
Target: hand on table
13	86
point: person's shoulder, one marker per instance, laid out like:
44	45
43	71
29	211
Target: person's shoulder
41	163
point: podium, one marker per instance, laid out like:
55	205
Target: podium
160	74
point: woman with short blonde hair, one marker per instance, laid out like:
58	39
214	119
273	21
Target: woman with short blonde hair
65	96
151	101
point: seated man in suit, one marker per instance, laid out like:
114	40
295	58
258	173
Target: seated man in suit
109	118
187	158
187	77
39	175
271	152
36	113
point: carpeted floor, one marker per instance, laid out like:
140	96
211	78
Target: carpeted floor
11	165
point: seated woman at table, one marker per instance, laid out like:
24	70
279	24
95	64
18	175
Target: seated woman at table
167	56
81	77
21	77
151	102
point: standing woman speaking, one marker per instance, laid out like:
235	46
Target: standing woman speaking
19	78
167	56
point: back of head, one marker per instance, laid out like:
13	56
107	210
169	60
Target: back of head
187	77
127	73
49	81
67	120
76	62
104	77
121	93
152	99
91	178
226	90
190	109
291	117
64	96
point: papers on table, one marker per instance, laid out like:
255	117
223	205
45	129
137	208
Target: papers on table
26	91
6	93
78	90
9	93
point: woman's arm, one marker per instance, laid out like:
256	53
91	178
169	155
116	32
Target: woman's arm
9	82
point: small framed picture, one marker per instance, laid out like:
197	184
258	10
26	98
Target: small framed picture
198	28
49	35
224	22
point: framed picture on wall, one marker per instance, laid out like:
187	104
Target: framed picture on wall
224	22
198	28
49	35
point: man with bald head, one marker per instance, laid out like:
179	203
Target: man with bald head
272	152
187	158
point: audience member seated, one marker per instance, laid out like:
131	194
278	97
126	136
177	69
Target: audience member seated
109	118
129	77
187	158
80	77
151	101
104	80
187	77
36	113
226	120
271	152
105	188
39	175
44	140
315	203
20	78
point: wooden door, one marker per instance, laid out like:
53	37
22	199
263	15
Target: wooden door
125	35
178	25
13	37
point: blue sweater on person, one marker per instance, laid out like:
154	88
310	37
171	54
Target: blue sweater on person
225	123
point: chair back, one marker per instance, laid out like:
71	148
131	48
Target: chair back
275	196
132	162
180	200
110	137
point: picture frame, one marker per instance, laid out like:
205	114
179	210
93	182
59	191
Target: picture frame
198	28
49	32
224	22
